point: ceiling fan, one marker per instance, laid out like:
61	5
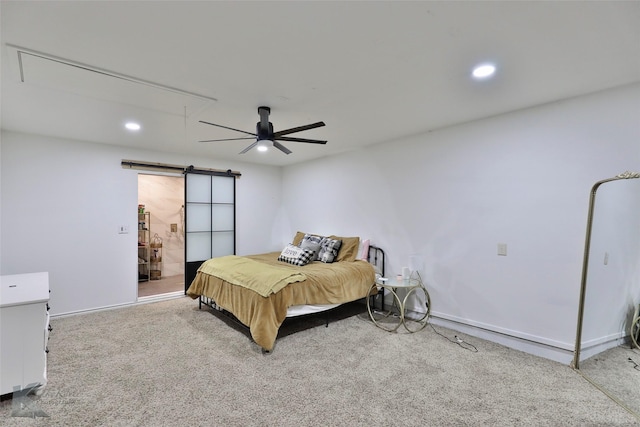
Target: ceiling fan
265	136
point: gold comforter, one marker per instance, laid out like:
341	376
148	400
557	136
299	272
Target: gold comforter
338	282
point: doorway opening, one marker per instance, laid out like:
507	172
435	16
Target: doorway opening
160	234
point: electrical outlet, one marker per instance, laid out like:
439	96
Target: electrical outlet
502	249
174	228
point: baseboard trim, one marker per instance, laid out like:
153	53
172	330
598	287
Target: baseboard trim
140	301
160	297
557	354
538	346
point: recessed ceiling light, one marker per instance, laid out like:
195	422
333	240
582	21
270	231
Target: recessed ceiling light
484	71
132	126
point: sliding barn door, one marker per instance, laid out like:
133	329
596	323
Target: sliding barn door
210	219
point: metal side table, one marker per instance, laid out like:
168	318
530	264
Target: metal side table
385	320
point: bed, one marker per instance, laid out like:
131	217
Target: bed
262	290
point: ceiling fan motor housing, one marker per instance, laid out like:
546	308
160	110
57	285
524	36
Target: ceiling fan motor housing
262	133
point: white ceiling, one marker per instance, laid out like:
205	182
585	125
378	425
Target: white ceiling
372	71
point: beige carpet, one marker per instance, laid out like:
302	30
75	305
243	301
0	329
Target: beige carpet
170	364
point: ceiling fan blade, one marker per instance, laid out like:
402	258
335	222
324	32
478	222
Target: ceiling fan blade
249	148
298	129
281	147
227	139
225	127
311	141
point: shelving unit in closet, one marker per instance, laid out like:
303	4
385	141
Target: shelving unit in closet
144	248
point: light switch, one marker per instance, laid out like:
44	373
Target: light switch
123	229
502	249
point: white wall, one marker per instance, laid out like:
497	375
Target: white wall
62	202
452	195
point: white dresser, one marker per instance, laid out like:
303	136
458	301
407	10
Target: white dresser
24	331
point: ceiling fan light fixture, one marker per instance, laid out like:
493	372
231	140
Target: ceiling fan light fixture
264	144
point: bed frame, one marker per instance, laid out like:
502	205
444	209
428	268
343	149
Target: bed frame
375	256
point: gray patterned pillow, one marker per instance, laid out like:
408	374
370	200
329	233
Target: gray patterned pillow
329	249
313	243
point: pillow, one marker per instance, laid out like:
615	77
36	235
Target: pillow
313	243
329	249
300	235
296	255
298	238
349	248
365	250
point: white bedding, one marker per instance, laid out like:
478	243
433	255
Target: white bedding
301	310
